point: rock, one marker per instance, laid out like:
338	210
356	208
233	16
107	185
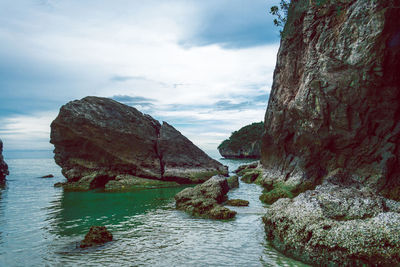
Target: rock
60	184
182	161
336	226
333	119
244	143
205	200
246	167
47	176
97	139
250	176
125	182
233	182
237	202
97	235
334	99
3	166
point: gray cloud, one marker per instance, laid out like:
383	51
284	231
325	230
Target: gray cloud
143	102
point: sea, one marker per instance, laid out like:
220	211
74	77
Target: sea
41	225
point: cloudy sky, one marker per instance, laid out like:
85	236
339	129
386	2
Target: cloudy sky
203	66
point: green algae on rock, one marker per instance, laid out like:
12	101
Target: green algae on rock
237	202
205	200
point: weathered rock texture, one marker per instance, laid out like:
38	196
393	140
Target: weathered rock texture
205	200
334	119
336	226
97	139
244	143
334	100
3	166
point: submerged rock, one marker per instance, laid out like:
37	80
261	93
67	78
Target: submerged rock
97	139
3	166
336	226
237	202
205	200
97	235
244	143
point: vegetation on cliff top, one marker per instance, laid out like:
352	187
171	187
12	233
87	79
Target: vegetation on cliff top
243	137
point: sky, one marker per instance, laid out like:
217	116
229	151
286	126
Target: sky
203	66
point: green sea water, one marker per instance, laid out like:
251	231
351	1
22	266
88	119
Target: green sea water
41	225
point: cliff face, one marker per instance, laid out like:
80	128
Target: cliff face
333	120
334	103
97	140
3	165
244	143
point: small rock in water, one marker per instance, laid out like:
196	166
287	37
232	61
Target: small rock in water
47	176
205	200
97	235
237	202
233	181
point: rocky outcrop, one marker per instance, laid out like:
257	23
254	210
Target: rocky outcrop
97	235
336	226
98	139
334	99
333	118
244	143
3	166
205	200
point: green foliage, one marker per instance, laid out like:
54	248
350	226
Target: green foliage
280	13
245	136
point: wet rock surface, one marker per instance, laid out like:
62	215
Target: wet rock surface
338	226
96	139
205	200
97	235
3	166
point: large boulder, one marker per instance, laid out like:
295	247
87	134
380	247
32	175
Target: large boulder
3	166
336	226
205	200
97	139
334	99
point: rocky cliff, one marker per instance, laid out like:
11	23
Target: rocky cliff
244	143
98	140
333	118
3	165
334	100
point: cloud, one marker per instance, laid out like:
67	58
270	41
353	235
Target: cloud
234	24
23	132
204	66
139	102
